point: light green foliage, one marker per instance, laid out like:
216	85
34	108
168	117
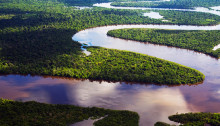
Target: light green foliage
37	41
7	16
202	41
4	101
107	64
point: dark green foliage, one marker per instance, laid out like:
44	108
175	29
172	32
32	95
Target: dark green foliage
126	66
197	119
125	118
202	41
180	4
161	124
32	113
40	15
91	2
37	40
112	65
188	17
194	119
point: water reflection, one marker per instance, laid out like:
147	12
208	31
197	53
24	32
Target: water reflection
206	64
154	15
216	8
152	102
155	103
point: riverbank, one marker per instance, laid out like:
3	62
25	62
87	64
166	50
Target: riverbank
194	119
42	38
33	113
201	41
176	4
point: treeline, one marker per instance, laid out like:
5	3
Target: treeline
71	2
108	64
202	41
91	2
14	113
189	17
194	119
102	64
36	14
178	4
37	40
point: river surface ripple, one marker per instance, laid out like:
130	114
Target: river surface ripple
152	102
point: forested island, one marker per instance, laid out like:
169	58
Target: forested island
189	17
35	38
193	119
91	2
178	4
22	52
202	41
14	113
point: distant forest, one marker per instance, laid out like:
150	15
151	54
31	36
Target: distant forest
90	2
179	4
202	41
35	38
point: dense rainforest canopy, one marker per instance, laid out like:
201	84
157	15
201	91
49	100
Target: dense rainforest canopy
14	113
193	119
202	41
36	39
91	2
179	4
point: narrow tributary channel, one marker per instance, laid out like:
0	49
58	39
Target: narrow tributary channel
152	102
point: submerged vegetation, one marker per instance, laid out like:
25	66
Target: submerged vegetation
202	41
179	4
14	113
194	119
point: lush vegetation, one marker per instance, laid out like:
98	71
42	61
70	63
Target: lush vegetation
202	41
189	17
104	64
126	66
36	39
162	124
194	119
179	4
14	113
91	2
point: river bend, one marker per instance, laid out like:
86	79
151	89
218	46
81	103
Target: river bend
152	102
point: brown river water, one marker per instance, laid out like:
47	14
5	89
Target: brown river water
152	102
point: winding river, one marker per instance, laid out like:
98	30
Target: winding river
152	102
